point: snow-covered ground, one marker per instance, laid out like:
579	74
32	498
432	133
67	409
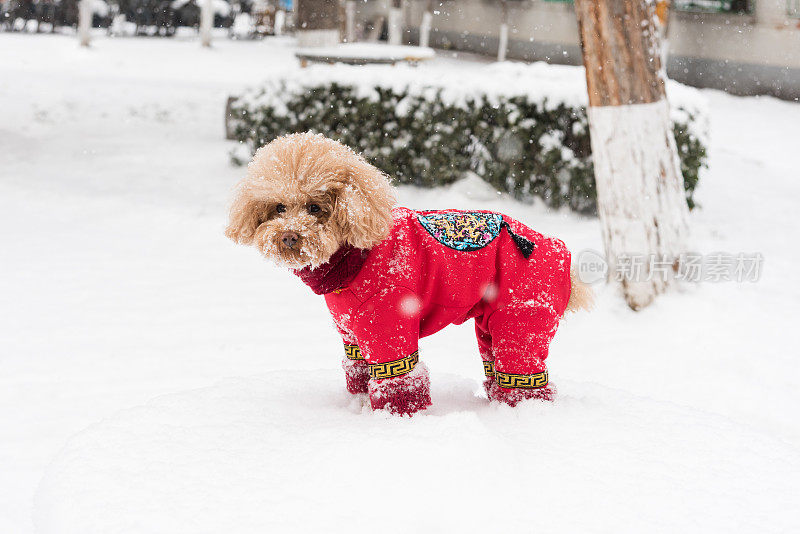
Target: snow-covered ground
156	378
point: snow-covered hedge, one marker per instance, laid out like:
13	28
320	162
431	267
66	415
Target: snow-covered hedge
522	128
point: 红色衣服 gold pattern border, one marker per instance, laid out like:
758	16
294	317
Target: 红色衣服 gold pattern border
353	352
395	367
534	381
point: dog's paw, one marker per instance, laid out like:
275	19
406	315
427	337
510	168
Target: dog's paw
514	396
356	374
403	395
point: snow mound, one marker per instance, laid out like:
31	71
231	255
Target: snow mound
292	452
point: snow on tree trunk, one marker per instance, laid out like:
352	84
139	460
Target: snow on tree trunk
640	195
206	22
84	22
317	23
425	28
396	23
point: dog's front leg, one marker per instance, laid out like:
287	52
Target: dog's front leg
387	327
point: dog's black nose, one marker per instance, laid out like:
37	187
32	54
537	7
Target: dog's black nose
289	239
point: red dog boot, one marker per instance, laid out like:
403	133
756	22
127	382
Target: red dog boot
403	395
488	385
488	370
356	373
513	396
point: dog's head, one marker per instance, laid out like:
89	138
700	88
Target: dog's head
305	196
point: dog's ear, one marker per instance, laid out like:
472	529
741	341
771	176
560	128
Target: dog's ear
244	218
364	206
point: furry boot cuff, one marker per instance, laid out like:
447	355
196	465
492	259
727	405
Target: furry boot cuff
514	396
356	373
404	395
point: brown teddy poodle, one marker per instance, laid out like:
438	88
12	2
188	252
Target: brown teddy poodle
393	275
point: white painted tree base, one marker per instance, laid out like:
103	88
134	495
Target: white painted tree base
502	46
425	29
280	22
350	21
206	22
395	26
84	22
640	195
312	38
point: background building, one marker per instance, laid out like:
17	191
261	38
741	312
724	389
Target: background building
743	47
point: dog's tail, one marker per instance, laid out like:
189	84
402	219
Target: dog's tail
581	296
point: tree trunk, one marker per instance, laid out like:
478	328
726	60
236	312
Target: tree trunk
206	22
640	194
280	22
662	23
502	45
396	23
350	21
425	26
317	22
84	22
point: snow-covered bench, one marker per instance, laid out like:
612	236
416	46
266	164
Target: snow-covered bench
364	53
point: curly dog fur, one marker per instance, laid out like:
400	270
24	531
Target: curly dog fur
300	170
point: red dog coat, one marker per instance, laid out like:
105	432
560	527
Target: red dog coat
444	267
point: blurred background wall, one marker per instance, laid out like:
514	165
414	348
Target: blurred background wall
744	47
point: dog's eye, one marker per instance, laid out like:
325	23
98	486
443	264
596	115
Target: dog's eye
280	208
313	208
